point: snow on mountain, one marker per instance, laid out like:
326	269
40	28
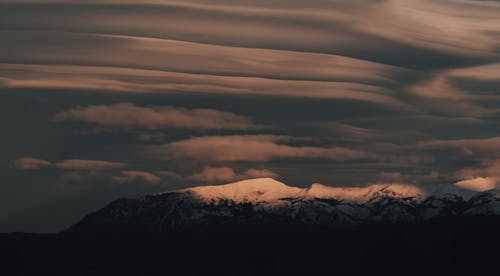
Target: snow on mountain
254	190
269	190
364	194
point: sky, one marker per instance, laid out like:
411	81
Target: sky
102	99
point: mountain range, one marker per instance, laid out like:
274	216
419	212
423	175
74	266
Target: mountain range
268	201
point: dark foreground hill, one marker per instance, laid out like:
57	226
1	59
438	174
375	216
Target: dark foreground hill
446	245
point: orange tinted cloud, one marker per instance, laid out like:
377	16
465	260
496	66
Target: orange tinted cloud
79	164
479	184
353	81
465	27
466	101
132	176
30	163
488	168
247	148
225	174
481	147
127	115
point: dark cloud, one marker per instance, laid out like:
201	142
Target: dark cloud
127	115
77	164
30	163
256	148
132	176
477	148
225	174
368	29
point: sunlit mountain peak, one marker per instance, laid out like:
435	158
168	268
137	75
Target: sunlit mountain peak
253	190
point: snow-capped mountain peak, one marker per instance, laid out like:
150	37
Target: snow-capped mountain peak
253	190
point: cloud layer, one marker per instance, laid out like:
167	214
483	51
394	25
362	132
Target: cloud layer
30	163
127	115
256	148
131	176
226	175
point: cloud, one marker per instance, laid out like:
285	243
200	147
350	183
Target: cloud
488	168
170	174
414	178
480	148
479	184
165	57
30	163
80	179
226	174
214	174
387	31
483	72
390	176
79	164
260	173
439	87
151	81
465	90
152	136
127	115
484	177
132	176
270	49
256	148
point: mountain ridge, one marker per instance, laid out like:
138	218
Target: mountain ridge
268	201
270	189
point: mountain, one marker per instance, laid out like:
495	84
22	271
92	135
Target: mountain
268	201
264	227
